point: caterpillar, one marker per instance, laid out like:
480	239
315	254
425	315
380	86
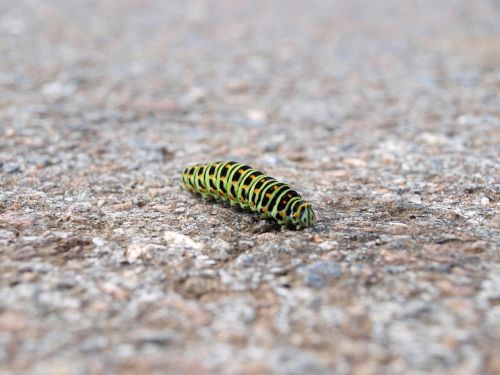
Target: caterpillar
249	189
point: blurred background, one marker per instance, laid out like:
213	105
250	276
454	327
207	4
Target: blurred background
247	79
384	114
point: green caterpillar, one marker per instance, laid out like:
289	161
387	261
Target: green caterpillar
242	185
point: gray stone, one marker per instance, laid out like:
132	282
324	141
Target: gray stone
319	273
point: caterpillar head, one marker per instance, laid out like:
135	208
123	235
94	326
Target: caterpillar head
303	217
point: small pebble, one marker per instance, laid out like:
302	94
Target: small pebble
138	251
415	199
328	245
11	167
485	201
318	274
179	239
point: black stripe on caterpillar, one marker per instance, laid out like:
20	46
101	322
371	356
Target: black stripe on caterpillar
250	189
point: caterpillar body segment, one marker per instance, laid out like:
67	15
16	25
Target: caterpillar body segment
250	189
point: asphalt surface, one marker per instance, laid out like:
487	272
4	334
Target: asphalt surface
385	115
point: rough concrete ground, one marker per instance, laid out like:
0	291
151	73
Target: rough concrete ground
384	114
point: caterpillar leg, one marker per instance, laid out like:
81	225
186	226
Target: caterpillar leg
265	226
283	222
247	188
268	218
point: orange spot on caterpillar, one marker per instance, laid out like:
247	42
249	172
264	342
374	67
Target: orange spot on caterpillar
303	205
242	186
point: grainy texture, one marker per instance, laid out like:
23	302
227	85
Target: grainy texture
384	114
